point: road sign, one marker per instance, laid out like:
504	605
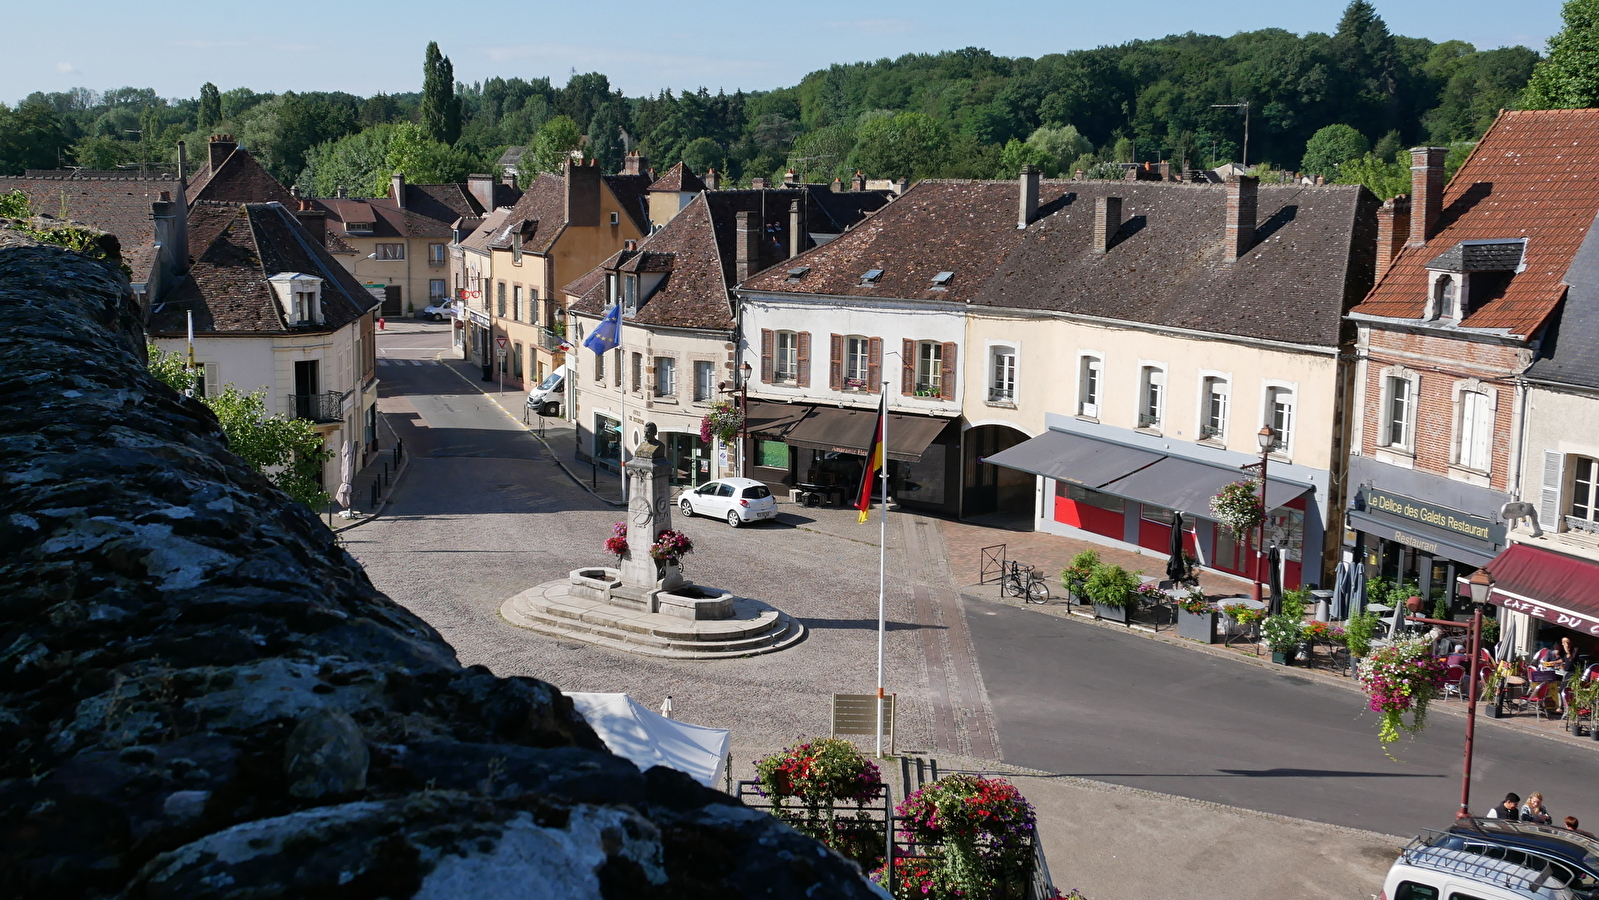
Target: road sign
500	353
501	342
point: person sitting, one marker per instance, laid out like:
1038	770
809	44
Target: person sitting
1509	809
1458	658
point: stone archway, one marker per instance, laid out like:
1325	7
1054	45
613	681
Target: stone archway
990	490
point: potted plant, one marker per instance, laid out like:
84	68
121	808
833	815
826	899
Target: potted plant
1402	677
1282	633
1238	507
723	422
617	542
832	782
976	835
1246	616
669	549
1112	589
1074	576
1357	637
1196	617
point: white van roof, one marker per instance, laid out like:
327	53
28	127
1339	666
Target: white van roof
1507	876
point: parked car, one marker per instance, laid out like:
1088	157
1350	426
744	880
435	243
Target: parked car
546	398
738	500
440	312
1573	857
1437	873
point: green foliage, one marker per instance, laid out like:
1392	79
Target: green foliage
605	138
1017	154
823	153
31	137
1359	632
1568	78
701	154
170	368
1082	567
210	110
905	145
551	148
1294	603
15	205
1331	147
1111	586
1061	145
1282	632
95	152
358	163
440	112
1385	179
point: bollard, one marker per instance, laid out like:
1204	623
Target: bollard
382	326
921	772
374	496
385	476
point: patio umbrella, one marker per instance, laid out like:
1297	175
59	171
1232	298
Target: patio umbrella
1342	578
346	475
1357	590
1274	578
1398	616
1506	648
1176	566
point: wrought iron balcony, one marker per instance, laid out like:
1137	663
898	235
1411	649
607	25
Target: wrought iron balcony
327	407
549	340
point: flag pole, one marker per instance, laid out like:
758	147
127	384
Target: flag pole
882	564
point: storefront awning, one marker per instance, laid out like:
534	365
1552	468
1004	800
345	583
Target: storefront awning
1547	585
773	420
1073	458
850	431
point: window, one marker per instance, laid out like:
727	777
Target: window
1396	418
785	360
1089	370
391	251
1151	397
1215	395
1475	431
1002	377
499	296
637	371
607	437
436	290
1443	296
435	254
1409	890
304	307
616	218
929	369
1585	489
516	302
630	294
516	248
857	357
599	367
665	376
616	372
704	380
1280	416
771	454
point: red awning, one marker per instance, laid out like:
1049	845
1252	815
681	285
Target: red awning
1551	586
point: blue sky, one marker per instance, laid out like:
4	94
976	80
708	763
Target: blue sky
365	47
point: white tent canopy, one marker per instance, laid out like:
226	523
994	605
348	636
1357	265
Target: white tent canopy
647	738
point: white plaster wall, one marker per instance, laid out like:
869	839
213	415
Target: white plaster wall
1564	423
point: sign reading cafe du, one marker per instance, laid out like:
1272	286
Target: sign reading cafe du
1451	520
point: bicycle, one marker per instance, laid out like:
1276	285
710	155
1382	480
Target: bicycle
1022	581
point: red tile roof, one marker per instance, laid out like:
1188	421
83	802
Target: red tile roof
239	179
679	179
117	204
1534	175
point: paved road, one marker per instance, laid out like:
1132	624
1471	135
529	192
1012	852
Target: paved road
1078	699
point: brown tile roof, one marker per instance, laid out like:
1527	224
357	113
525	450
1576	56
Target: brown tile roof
238	247
1533	176
388	219
678	179
117	204
543	204
694	292
479	238
1312	259
239	179
443	202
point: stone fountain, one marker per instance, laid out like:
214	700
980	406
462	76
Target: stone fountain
644	605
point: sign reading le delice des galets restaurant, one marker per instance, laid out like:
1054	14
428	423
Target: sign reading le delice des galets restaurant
1452	520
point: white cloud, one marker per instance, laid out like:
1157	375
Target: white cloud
66	68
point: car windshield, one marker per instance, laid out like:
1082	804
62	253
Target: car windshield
758	492
550	382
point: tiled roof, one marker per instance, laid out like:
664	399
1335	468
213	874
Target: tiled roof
237	248
839	210
512	156
239	179
442	202
479	238
388	219
119	205
1312	259
1480	256
543	204
632	192
1531	176
678	179
1569	352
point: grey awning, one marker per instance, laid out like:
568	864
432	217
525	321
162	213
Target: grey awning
1073	458
773	420
850	431
1187	485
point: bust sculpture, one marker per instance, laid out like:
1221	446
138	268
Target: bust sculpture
650	447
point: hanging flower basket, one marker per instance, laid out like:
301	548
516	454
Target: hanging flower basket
1238	507
617	543
670	547
1400	678
978	833
723	422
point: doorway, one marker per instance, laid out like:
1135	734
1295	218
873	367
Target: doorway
994	490
690	459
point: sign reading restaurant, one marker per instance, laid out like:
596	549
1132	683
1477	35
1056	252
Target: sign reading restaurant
1443	517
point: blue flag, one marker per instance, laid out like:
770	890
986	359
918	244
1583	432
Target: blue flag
608	333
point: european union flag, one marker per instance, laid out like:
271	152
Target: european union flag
608	333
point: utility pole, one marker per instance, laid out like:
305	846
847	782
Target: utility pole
1243	105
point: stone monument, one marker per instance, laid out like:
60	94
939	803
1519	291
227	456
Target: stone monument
649	512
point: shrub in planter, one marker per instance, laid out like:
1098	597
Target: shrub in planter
821	774
1112	586
1074	576
1194	602
1196	617
1358	633
979	833
1325	632
1282	634
1402	677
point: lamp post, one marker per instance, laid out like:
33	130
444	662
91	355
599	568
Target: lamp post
741	387
1266	438
1481	585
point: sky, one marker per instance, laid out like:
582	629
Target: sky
365	47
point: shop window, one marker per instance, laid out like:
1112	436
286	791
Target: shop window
1090	370
607	438
1151	397
1474	431
1280	416
1079	494
665	376
771	454
785	357
1002	375
857	357
1216	396
704	380
929	368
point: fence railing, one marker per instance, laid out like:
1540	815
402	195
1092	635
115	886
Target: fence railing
325	407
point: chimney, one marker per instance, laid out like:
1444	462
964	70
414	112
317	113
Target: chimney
170	222
838	185
711	179
1426	191
760	184
1028	209
339	192
747	250
1165	170
313	220
796	230
183	163
481	187
630	245
1393	226
1107	221
858	181
901	185
790	177
582	184
221	146
635	164
1241	200
397	189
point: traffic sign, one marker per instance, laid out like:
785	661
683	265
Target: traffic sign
501	342
500	353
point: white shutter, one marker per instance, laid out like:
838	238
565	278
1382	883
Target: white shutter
1553	481
1481	429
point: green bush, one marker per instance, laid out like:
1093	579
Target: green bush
1111	586
1358	633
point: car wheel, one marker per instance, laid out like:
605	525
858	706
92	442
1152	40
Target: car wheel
552	409
686	507
733	519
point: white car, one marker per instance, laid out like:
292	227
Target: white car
440	311
738	500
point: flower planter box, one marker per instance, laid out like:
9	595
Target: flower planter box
1283	659
1199	627
1122	614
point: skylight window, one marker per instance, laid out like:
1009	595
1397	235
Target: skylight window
941	280
871	276
798	272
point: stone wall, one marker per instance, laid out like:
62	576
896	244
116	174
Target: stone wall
202	695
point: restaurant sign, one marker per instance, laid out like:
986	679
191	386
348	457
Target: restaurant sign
1450	520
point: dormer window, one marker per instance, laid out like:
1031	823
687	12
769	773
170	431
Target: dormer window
304	307
299	296
871	276
1444	296
630	294
358	227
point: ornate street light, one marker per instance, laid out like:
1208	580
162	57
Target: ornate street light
1267	438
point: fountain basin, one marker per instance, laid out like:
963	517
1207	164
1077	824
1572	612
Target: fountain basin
594	582
692	601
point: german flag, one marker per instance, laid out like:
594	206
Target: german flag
874	463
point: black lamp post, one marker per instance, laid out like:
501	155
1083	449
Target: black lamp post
1267	438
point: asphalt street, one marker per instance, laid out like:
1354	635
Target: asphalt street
1080	699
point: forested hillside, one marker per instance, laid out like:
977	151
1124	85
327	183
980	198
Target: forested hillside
1355	98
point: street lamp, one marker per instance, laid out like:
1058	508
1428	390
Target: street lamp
1481	587
1267	438
741	387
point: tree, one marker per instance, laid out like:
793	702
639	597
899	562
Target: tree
379	109
31	137
426	161
287	452
908	145
302	122
1568	78
822	153
551	148
1060	146
210	112
605	137
358	163
1020	153
1385	178
1331	147
701	154
440	112
100	152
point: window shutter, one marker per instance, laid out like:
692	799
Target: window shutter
946	373
766	356
802	359
835	362
1553	481
874	365
907	371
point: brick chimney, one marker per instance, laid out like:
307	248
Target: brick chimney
1393	227
1241	201
313	220
1027	210
901	185
397	189
790	177
747	249
760	184
340	192
481	187
1107	221
634	164
838	185
582	193
857	182
1165	170
221	145
711	179
1426	191
796	230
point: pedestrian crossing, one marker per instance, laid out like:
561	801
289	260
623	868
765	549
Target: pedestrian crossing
408	362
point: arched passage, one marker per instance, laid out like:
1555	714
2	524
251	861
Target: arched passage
990	490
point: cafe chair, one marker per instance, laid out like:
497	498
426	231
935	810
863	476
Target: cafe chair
1454	681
